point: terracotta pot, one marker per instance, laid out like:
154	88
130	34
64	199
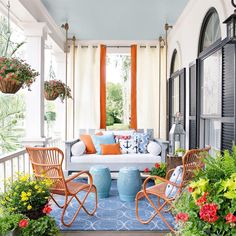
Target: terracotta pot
51	96
9	86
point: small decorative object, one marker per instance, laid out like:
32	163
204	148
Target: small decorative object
231	25
56	88
15	74
180	152
177	135
207	207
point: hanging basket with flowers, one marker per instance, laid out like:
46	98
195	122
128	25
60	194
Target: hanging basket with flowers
15	74
56	88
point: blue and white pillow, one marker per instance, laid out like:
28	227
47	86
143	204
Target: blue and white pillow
176	178
141	141
103	139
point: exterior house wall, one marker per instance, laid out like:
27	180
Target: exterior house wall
184	37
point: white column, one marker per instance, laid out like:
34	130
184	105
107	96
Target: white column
36	34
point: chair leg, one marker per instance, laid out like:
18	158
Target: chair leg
158	212
81	205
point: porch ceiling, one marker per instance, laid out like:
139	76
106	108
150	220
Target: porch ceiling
115	19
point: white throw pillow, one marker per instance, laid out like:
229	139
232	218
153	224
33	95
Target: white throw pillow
154	148
78	148
176	177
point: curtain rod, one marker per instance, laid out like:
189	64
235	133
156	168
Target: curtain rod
114	46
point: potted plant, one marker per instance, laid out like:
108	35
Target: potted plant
180	152
9	224
56	88
15	74
157	170
208	206
26	196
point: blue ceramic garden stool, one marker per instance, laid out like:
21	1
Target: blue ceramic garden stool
101	179
128	183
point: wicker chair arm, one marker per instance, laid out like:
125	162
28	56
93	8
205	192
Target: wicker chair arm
79	174
169	173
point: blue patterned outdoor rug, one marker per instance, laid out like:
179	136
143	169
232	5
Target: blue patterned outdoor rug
111	215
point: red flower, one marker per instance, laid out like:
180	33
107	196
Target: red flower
157	165
230	218
47	209
202	199
208	212
23	223
181	217
190	189
146	170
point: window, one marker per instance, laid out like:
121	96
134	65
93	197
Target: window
118	91
176	90
210	32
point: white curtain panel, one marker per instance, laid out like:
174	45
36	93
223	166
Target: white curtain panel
149	110
87	88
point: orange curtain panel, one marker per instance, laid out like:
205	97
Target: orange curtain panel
133	119
103	87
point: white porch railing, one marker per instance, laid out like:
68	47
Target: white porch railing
18	162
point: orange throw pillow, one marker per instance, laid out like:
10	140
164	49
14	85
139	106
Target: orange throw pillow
86	138
110	149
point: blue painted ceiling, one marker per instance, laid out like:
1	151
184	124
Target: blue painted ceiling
115	19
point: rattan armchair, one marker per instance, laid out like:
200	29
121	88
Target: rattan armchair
192	161
47	163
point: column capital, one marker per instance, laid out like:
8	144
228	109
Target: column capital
32	29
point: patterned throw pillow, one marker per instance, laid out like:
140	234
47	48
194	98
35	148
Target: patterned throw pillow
176	177
127	144
141	140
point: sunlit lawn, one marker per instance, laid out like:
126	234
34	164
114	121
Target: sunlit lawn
118	127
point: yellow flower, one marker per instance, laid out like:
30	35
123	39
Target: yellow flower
24	203
3	202
36	187
24	199
28	194
29	207
24	178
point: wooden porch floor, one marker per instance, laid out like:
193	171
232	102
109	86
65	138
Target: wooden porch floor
114	233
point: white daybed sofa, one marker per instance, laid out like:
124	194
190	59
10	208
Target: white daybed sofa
113	162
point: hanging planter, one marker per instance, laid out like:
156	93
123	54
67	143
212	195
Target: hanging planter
56	88
15	74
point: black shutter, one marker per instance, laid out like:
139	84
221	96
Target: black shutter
182	94
228	96
192	106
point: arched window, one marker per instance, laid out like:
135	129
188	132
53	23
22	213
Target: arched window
210	32
174	62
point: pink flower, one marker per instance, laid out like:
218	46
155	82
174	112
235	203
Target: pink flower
181	217
23	223
47	209
208	212
157	165
230	218
146	170
202	199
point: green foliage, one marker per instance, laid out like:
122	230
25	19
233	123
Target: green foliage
109	120
159	170
114	105
9	222
11	118
44	226
216	184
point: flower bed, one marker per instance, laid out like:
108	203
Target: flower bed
208	206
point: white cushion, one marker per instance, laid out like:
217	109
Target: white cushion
154	148
176	177
78	148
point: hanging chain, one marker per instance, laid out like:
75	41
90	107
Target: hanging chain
8	17
234	4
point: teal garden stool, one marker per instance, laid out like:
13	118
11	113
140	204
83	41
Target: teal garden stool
101	179
128	183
